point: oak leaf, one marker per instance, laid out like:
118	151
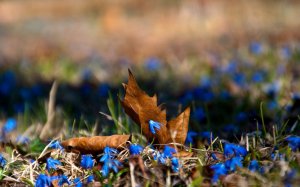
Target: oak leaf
142	109
94	144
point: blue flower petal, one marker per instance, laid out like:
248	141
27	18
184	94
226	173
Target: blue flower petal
153	125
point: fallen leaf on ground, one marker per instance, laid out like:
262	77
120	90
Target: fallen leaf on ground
94	144
142	108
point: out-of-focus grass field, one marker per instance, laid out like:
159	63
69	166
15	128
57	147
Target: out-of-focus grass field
236	63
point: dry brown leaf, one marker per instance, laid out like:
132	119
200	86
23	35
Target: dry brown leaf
94	144
178	127
142	108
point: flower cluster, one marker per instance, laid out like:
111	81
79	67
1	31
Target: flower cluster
167	154
109	161
235	155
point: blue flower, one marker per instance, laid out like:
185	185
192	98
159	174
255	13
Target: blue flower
158	156
103	90
233	163
2	161
108	153
253	166
109	161
207	135
110	164
153	125
152	64
77	182
258	77
62	180
233	149
43	181
199	114
22	140
256	48
286	52
241	116
7	82
219	170
294	142
52	163
239	79
277	156
56	145
135	149
202	93
175	164
87	161
90	178
168	152
190	137
9	125
214	156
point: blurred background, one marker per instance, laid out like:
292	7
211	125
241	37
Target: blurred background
221	57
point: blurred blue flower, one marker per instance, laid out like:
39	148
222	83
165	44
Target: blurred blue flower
153	125
231	149
190	137
77	182
239	79
22	140
286	52
52	163
2	161
168	152
86	74
152	64
87	161
207	135
241	117
258	77
233	163
253	166
186	97
205	82
272	89
271	105
199	114
256	48
43	181
175	164
224	94
219	170
277	156
135	149
90	178
294	142
230	128
289	177
56	145
9	125
63	179
103	90
7	82
231	67
25	94
203	94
